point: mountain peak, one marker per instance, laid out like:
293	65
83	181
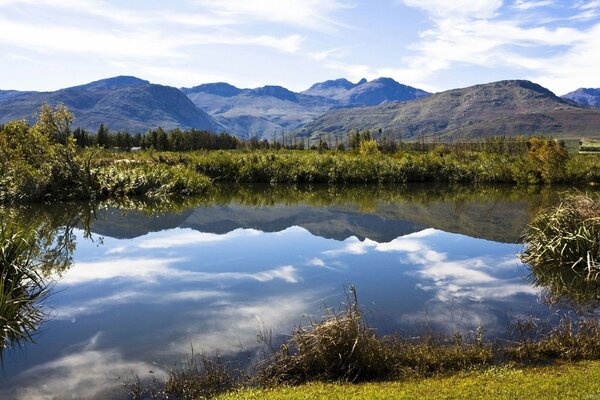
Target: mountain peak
222	89
115	82
524	84
342	83
278	92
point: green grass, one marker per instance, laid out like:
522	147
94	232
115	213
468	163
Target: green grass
566	381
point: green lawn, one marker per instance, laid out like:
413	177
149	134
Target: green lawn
570	381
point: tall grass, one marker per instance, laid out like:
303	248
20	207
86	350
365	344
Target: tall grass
22	290
566	236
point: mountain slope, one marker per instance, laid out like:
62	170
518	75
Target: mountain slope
269	110
501	108
121	103
586	97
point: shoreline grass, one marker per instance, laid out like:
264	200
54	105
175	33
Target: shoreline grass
563	381
343	354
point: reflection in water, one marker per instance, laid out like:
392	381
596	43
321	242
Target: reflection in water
33	246
566	285
212	272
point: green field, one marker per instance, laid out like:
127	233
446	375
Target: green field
567	381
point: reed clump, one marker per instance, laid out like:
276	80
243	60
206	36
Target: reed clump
339	348
566	236
342	347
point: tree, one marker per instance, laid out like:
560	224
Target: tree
55	123
549	157
103	137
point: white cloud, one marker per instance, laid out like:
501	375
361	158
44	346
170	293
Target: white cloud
462	8
527	5
313	14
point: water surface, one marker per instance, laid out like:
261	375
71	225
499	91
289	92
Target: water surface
146	282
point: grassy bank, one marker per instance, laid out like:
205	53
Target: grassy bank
565	381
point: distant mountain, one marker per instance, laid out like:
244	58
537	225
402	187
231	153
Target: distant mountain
365	93
121	103
514	107
586	97
267	111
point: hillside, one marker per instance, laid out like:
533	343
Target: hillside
269	110
585	97
513	107
121	103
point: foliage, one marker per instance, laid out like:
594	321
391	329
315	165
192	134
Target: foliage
42	163
549	158
368	148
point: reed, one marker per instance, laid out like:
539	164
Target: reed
566	236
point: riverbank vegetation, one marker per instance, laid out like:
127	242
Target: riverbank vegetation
48	162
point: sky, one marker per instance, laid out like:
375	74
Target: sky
430	44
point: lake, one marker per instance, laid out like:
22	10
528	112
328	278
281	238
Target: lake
141	284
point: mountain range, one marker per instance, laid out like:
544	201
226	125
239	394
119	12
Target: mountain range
121	103
270	110
326	108
514	107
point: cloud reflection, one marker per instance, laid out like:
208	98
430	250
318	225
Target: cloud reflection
85	373
188	237
151	270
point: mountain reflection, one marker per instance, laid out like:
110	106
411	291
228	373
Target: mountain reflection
380	213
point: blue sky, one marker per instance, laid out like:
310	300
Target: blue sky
430	44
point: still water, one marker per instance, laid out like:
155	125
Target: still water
147	282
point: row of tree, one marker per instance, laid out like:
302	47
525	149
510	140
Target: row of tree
158	139
194	139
